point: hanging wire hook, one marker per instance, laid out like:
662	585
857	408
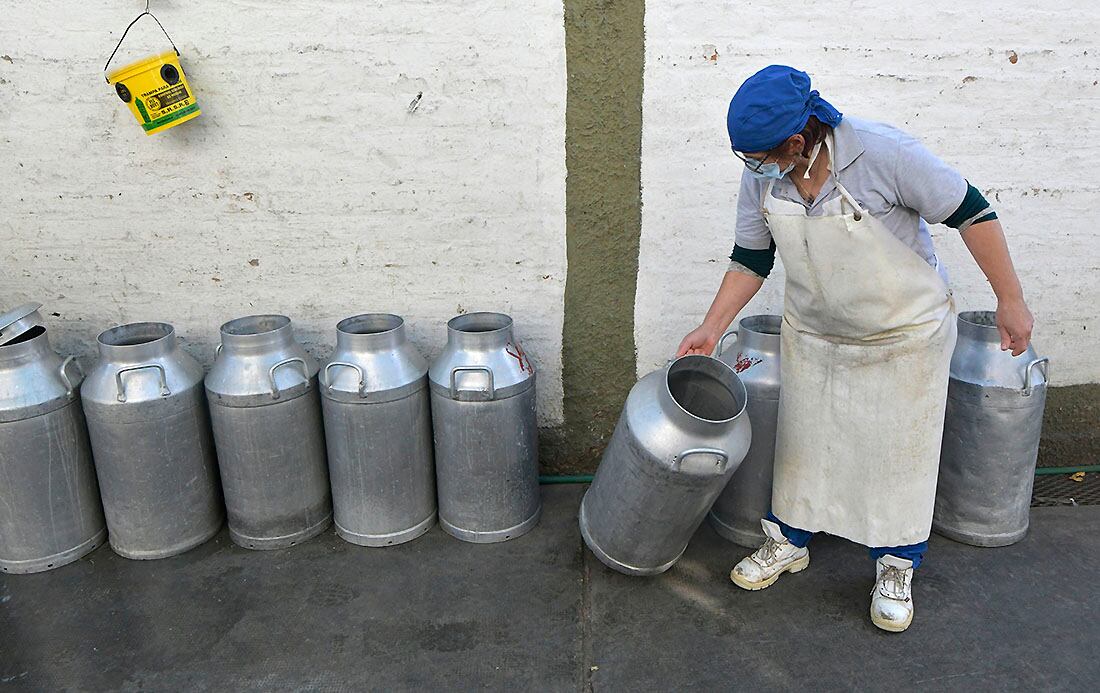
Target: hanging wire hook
131	24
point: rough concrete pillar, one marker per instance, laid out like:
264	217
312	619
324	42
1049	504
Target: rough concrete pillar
604	55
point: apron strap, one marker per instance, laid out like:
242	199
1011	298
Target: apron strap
857	209
845	196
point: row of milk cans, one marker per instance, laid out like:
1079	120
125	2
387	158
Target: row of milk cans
147	451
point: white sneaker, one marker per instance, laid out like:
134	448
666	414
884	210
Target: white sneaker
892	598
766	564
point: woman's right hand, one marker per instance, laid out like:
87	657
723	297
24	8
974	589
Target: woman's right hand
736	290
701	340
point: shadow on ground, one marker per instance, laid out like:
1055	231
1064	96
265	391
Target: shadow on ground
540	613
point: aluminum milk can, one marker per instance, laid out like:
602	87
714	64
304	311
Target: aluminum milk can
486	436
50	513
680	438
754	356
150	434
269	434
378	426
990	437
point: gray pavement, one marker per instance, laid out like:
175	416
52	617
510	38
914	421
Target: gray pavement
541	613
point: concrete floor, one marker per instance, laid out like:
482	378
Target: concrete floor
541	613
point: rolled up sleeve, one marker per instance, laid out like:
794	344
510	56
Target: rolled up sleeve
750	231
753	248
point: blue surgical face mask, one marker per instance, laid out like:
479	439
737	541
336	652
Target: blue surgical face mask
770	171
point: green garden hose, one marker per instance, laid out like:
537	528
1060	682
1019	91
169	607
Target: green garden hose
587	478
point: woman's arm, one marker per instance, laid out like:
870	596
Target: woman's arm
736	290
932	188
986	242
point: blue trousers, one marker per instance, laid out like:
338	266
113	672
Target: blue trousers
802	537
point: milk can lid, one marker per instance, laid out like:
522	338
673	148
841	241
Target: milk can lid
16	320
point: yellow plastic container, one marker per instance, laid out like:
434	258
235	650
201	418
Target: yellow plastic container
157	92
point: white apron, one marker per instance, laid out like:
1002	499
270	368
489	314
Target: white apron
868	331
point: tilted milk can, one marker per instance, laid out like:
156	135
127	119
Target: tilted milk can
269	434
50	513
680	438
486	436
150	434
754	356
990	437
378	426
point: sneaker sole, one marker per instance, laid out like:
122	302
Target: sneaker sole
890	626
795	567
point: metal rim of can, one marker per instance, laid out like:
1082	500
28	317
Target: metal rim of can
15	315
741	395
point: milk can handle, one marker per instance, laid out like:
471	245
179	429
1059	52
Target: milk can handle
472	369
119	45
362	379
65	376
271	373
164	391
723	458
722	341
1027	373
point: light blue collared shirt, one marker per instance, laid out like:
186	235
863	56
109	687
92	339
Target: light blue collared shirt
890	173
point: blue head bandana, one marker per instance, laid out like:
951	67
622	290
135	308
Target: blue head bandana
772	105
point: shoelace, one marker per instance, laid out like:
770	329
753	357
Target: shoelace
892	583
765	555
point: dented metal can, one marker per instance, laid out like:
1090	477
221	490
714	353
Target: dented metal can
754	356
50	512
485	430
378	427
266	414
993	421
150	435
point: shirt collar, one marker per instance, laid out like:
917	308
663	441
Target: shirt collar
848	145
848	148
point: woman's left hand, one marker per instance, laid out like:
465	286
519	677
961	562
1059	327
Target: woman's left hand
1014	322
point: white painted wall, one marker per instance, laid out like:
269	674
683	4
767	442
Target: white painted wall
1025	133
308	186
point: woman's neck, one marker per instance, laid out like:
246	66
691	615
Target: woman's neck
810	187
